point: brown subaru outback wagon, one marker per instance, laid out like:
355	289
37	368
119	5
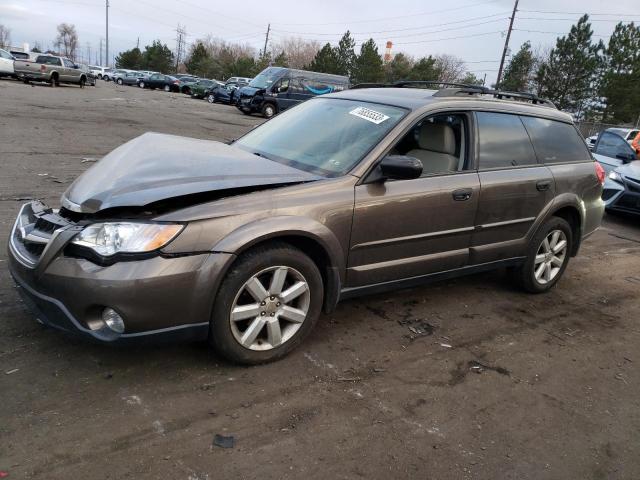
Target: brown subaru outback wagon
347	194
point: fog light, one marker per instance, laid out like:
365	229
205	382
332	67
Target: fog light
113	320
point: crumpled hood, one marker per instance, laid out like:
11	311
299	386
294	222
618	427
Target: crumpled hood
156	167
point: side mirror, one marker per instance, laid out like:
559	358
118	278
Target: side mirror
400	167
626	157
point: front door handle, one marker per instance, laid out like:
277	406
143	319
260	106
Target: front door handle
462	195
543	185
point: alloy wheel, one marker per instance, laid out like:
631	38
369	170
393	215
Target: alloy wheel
550	257
270	308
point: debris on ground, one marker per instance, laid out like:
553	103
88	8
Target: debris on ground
478	367
9	372
224	441
445	345
89	159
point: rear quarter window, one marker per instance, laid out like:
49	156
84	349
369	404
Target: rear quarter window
48	60
503	141
555	142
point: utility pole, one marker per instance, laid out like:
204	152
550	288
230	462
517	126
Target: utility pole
101	64
266	40
138	44
506	44
107	32
180	39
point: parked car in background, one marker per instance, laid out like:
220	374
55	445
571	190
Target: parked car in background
50	68
186	82
276	88
118	74
203	87
91	77
620	161
627	133
158	80
97	71
146	73
129	78
227	93
347	194
6	64
245	80
106	74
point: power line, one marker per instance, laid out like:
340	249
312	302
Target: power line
397	29
385	19
556	33
591	14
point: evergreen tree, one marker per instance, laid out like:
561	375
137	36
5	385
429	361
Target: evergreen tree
517	75
425	69
399	68
199	60
158	57
281	60
346	55
620	82
568	76
470	79
325	61
131	59
368	66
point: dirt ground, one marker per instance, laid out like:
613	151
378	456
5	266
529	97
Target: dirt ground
462	379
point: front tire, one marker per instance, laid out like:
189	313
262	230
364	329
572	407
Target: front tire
267	304
119	81
547	256
268	110
167	88
82	82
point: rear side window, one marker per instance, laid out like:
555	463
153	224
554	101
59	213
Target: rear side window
612	145
555	142
48	60
503	141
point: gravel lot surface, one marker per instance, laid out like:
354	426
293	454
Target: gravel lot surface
468	378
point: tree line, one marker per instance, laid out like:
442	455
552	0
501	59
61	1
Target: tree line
587	78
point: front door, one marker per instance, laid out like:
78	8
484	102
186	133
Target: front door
409	228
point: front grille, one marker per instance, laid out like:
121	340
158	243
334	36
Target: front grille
34	227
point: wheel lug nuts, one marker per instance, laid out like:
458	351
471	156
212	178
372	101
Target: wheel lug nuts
271	298
262	303
278	304
263	313
272	314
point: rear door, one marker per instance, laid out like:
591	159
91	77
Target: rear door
69	73
514	188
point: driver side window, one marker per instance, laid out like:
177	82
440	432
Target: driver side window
439	142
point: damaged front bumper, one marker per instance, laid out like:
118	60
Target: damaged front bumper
162	296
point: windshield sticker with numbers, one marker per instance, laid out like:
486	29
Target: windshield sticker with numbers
368	114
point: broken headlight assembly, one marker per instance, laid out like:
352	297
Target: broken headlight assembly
112	238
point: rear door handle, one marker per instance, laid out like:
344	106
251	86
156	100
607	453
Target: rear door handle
462	195
543	185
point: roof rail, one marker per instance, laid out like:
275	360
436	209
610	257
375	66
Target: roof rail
450	89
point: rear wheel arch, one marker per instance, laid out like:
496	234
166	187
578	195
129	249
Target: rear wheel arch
572	216
568	207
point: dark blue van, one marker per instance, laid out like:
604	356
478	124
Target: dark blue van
277	88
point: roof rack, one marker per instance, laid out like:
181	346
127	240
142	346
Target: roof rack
451	89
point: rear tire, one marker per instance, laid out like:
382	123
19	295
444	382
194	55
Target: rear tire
211	99
167	88
287	319
141	84
54	81
83	81
547	256
119	81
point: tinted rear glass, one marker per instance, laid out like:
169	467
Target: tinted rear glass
503	141
48	60
555	142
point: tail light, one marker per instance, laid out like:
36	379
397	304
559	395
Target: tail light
42	68
600	173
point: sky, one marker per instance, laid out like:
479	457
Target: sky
473	30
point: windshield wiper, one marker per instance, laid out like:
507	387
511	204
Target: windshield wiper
258	154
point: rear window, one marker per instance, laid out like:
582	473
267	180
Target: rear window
503	141
555	142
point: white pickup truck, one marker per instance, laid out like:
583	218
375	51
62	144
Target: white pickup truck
50	68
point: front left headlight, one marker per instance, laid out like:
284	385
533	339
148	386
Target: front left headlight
107	239
615	176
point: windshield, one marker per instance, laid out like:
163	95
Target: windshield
326	136
266	77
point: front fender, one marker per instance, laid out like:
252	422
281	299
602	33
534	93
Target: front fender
264	229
